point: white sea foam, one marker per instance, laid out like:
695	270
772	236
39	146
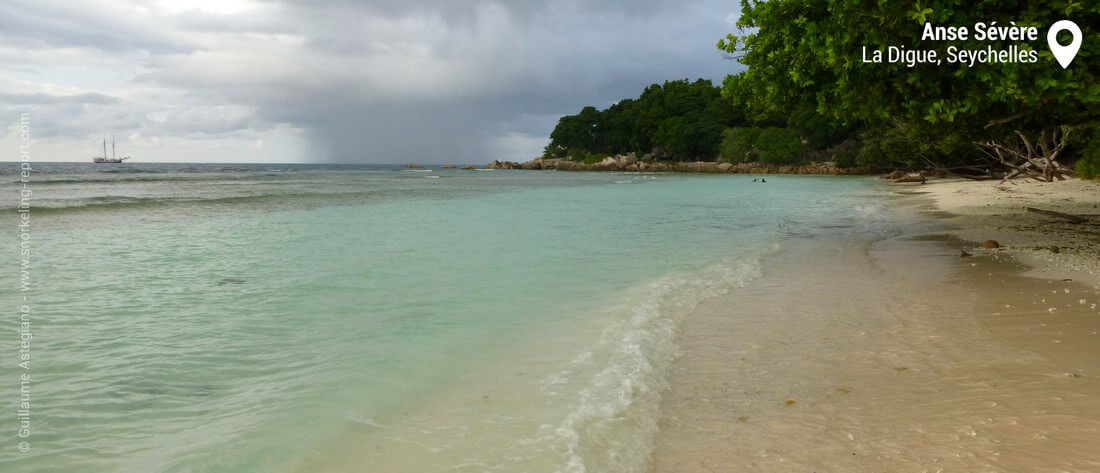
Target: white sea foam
619	380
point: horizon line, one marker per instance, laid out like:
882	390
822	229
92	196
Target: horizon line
255	162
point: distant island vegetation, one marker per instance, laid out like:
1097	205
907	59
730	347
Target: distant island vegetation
807	97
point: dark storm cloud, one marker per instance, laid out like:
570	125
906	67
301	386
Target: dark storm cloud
555	58
409	80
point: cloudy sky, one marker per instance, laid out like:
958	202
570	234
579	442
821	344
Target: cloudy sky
380	81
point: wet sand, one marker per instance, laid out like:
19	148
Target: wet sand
893	356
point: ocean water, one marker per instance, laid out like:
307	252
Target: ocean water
303	318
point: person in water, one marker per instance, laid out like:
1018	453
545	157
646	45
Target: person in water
763	180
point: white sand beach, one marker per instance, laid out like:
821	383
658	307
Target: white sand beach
991	210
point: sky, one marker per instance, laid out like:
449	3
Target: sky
382	81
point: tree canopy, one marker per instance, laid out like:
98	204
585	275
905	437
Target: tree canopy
809	92
808	54
679	120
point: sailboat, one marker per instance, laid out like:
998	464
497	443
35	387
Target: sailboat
104	159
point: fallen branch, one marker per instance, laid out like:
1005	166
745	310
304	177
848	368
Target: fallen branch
1003	120
920	179
1072	218
975	178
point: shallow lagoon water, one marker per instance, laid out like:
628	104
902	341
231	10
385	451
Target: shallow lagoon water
210	318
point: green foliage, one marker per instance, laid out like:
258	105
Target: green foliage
689	136
555	151
590	158
766	145
1088	165
683	119
779	145
846	153
821	132
738	144
808	54
891	147
575	131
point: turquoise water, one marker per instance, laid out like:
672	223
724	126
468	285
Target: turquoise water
313	318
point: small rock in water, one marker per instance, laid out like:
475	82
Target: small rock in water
1055	249
964	254
990	244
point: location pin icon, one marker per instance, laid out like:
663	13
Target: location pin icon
1064	54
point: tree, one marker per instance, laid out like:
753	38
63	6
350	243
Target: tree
767	145
808	54
576	131
739	144
779	145
684	120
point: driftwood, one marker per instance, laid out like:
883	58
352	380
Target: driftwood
1034	158
977	178
920	179
1072	218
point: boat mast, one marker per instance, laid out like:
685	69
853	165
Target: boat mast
112	146
104	146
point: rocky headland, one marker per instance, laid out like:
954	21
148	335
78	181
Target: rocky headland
630	163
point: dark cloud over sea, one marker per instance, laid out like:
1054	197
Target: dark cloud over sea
378	81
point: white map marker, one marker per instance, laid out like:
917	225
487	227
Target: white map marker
1064	54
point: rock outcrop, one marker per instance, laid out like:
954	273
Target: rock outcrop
893	175
630	163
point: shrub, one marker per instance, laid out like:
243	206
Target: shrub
891	147
688	137
590	158
553	150
766	145
1088	168
1088	165
845	154
738	145
779	145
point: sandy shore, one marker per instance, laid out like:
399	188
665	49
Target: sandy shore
902	356
990	210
